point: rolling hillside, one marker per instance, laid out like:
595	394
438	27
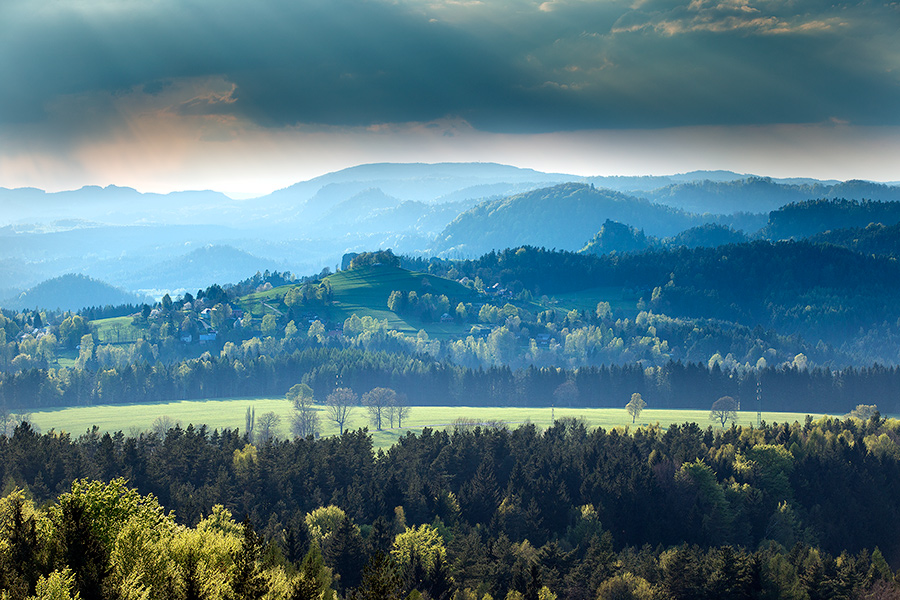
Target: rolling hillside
364	291
562	217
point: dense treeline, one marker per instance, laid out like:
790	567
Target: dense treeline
253	369
682	513
803	219
92	313
874	238
618	237
813	290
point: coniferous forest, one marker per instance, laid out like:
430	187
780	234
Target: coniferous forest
781	511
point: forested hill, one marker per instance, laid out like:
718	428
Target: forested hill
71	292
794	287
874	238
563	217
807	218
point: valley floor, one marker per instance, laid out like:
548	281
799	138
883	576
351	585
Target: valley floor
219	414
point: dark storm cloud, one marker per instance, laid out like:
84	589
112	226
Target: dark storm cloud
503	66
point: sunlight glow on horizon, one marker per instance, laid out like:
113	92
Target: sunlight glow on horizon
250	162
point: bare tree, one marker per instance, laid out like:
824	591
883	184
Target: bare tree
305	421
401	409
376	401
339	406
6	421
267	426
723	409
635	407
162	424
390	413
864	412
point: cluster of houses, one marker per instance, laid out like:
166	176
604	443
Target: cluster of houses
206	331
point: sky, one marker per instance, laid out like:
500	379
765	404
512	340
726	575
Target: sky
248	96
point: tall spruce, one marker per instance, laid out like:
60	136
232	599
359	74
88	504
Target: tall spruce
248	581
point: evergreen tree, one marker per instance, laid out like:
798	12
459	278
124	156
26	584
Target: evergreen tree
344	553
248	582
24	547
81	549
380	579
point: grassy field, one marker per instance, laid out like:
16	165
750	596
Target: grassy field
116	330
365	291
220	414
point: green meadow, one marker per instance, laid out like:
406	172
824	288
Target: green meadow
364	291
116	330
219	414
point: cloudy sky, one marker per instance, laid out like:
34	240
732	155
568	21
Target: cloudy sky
247	96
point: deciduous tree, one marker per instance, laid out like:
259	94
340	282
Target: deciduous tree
267	426
305	421
723	410
635	406
339	406
376	402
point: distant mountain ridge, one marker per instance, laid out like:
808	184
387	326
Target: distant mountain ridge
761	194
114	205
120	235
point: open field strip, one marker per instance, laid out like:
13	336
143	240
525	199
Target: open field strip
220	414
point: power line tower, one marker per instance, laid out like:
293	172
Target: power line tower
758	400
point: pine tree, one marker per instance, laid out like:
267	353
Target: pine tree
23	542
248	582
344	553
81	549
380	580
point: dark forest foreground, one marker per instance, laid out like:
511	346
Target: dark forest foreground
784	511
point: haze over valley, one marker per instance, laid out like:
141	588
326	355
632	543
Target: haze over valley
449	300
154	243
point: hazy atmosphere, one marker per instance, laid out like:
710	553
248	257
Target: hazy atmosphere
449	300
246	98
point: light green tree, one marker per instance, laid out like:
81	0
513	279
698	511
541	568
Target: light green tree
269	325
424	542
316	330
85	351
58	585
635	406
324	521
